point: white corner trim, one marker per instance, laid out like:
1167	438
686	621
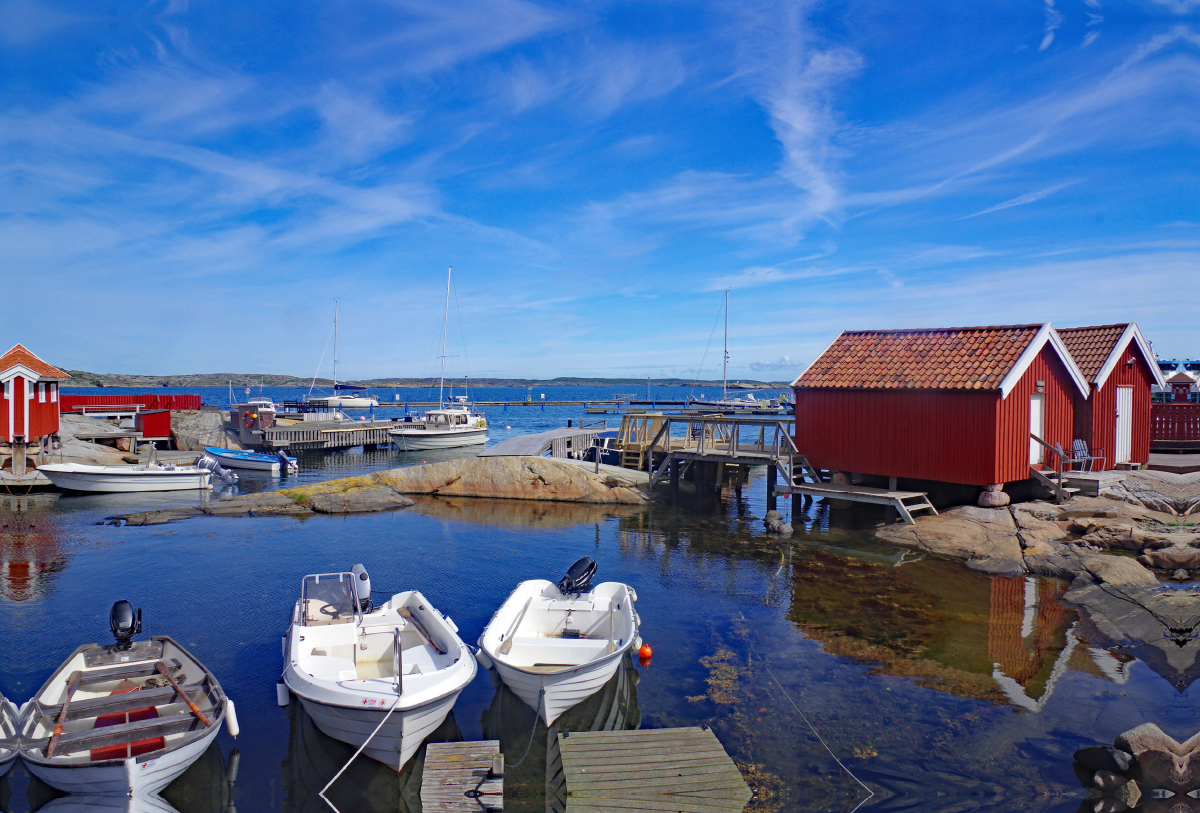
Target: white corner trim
1046	333
818	358
1132	333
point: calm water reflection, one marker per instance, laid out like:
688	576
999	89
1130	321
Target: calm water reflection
940	687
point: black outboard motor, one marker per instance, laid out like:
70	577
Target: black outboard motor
579	577
124	623
362	588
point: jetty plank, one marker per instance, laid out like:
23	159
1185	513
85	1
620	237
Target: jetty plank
457	777
685	770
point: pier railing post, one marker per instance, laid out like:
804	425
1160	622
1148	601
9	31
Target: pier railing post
772	480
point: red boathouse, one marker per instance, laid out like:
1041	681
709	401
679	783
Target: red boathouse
29	410
1119	367
955	405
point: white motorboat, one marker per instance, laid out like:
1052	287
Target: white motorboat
145	477
256	461
448	428
555	645
8	735
124	719
383	677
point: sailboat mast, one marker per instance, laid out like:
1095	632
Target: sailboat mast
725	352
335	310
445	321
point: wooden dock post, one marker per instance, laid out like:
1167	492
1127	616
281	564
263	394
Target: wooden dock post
674	482
461	776
772	482
666	769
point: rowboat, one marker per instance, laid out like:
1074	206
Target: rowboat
378	677
555	645
245	459
8	735
147	477
123	719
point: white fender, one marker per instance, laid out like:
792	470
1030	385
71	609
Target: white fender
231	718
482	657
282	695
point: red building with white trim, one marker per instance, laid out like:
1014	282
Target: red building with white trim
955	405
1119	367
29	409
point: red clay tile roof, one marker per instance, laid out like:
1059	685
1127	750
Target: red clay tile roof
1091	346
1181	378
19	355
970	358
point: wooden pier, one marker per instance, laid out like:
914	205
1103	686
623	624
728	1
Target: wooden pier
685	770
463	776
319	435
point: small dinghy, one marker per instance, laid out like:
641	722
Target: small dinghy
244	459
557	644
352	664
8	735
123	719
120	479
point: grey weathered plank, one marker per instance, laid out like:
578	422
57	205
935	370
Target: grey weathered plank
680	770
455	768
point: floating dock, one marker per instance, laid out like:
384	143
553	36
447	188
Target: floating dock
683	770
462	776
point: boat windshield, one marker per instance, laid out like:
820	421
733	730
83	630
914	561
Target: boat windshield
328	598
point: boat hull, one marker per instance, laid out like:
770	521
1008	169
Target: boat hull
400	736
110	479
132	778
259	462
340	402
550	695
417	440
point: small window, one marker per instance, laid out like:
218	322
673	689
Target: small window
42	393
8	389
53	393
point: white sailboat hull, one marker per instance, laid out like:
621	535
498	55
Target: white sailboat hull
118	479
550	695
345	402
415	440
400	736
132	778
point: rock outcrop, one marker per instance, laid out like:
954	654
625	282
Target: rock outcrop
1145	769
193	429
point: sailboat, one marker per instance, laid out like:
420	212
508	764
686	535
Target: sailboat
345	396
726	403
448	427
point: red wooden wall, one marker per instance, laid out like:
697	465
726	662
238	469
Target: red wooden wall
43	417
1175	421
1096	419
1012	427
146	401
955	436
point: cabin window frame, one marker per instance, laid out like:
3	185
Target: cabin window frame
41	392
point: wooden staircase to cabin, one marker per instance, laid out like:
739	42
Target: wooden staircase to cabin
1054	481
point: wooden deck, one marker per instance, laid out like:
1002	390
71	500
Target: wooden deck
556	441
905	502
457	776
324	435
681	770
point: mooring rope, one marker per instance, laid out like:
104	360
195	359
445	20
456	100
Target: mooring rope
359	751
541	692
813	729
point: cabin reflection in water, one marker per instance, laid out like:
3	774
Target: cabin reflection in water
1003	640
537	784
32	552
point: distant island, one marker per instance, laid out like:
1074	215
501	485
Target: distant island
82	378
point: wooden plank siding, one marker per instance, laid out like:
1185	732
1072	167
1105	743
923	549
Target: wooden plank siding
1175	421
971	437
43	416
1096	419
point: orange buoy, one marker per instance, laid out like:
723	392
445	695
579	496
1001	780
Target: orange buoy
645	651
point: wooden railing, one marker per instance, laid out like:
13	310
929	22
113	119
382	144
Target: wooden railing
1175	421
1056	483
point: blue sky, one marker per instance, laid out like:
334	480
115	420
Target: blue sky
187	187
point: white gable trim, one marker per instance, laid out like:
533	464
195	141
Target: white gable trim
1132	333
26	373
1045	334
818	358
8	396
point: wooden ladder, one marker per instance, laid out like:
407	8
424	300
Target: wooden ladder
919	502
1050	479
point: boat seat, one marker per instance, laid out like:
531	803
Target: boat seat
382	668
328	667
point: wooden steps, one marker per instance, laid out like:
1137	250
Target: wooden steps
905	502
681	770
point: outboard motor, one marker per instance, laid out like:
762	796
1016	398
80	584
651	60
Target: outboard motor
124	623
286	463
362	588
579	577
223	474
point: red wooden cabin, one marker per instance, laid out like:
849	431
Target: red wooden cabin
1119	367
29	409
954	405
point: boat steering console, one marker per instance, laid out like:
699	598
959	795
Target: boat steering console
578	578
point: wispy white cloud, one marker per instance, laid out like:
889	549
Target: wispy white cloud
1021	200
1054	19
24	22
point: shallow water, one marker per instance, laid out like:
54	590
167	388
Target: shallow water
937	687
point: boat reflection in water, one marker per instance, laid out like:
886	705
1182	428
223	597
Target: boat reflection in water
32	552
205	787
533	772
367	786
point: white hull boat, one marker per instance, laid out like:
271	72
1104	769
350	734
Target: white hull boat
382	676
125	719
8	735
448	428
344	401
122	479
255	461
556	645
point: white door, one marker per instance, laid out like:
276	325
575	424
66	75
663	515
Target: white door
1124	448
1037	426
